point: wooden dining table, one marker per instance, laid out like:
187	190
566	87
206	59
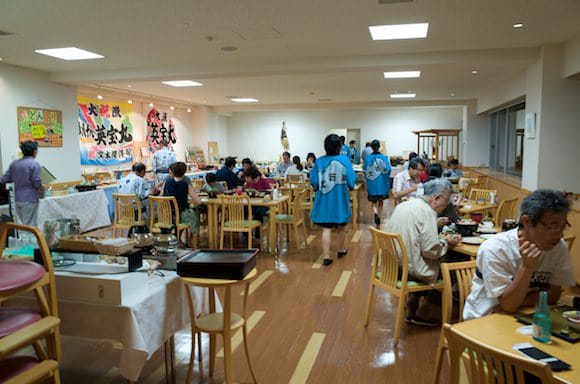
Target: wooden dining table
274	205
473	207
500	331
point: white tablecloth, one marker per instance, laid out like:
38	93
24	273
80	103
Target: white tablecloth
89	207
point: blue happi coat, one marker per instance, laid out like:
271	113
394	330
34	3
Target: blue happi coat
377	170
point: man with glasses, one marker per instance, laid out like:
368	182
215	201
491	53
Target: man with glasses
406	182
513	266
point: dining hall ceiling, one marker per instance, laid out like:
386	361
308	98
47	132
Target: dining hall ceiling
286	52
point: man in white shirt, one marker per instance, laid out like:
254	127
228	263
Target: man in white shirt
284	164
134	183
406	182
416	221
513	266
162	159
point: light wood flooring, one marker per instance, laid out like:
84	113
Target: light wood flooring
307	327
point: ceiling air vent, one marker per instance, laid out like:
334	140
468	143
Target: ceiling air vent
4	33
394	1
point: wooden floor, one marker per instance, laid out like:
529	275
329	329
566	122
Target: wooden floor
307	328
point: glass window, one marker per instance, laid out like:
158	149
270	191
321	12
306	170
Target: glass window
506	152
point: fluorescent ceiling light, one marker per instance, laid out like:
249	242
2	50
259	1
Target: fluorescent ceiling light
402	74
518	25
183	83
399	31
244	100
69	53
403	95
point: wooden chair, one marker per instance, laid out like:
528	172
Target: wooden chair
489	365
481	182
237	217
165	211
569	239
125	207
21	327
213	323
295	178
481	194
385	275
505	210
296	218
197	184
465	184
463	273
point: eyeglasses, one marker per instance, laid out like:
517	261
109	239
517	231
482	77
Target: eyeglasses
556	227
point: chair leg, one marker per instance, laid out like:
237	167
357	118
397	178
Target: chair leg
212	338
199	355
400	318
369	303
250	235
222	240
440	356
191	357
296	240
304	232
245	334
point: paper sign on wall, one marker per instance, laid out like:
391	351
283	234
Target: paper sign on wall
41	125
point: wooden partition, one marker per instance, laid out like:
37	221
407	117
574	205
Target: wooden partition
510	186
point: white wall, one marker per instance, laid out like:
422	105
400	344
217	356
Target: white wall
572	57
502	93
25	87
218	131
257	134
475	139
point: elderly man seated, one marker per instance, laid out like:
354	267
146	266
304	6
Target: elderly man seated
416	221
513	266
134	183
406	182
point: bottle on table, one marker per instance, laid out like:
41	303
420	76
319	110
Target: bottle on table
542	322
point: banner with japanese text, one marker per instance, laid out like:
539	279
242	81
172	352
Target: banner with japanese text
159	128
105	132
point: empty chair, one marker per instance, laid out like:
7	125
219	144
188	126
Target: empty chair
463	276
127	212
385	275
505	210
294	178
237	217
489	365
481	194
164	211
296	217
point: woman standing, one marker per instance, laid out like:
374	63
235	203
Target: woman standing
332	177
377	170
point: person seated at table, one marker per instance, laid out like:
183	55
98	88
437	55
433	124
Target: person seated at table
226	173
513	266
416	221
449	214
406	182
179	186
412	155
453	172
211	185
296	168
377	170
310	160
246	163
332	177
134	183
254	180
284	164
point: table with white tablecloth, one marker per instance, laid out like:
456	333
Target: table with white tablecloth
90	207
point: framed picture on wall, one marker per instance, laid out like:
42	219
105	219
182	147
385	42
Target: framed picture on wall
41	125
530	125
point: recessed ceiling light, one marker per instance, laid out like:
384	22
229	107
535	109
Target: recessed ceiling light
100	97
403	95
69	53
402	74
172	108
130	101
129	86
189	110
244	100
182	83
452	94
518	25
150	104
0	59
205	101
399	31
474	71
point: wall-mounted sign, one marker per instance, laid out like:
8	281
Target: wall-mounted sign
159	128
41	125
105	132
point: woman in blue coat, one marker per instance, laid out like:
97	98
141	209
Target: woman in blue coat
332	177
377	170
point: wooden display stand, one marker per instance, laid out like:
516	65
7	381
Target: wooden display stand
438	144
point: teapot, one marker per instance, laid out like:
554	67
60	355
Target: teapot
165	241
140	232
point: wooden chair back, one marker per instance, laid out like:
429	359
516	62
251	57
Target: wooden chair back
295	178
236	210
463	273
481	182
569	239
481	194
164	211
197	184
505	210
297	204
387	247
489	365
125	207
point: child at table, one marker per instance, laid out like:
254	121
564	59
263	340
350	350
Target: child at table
254	180
211	185
179	186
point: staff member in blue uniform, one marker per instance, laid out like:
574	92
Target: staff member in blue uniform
332	177
377	170
344	149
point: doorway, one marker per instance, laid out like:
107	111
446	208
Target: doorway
354	134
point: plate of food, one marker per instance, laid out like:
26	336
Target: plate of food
474	240
486	236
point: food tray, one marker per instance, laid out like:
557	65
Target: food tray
230	264
78	243
559	323
115	249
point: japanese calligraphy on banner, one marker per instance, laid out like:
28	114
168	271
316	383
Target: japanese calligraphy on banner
159	128
41	125
105	132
